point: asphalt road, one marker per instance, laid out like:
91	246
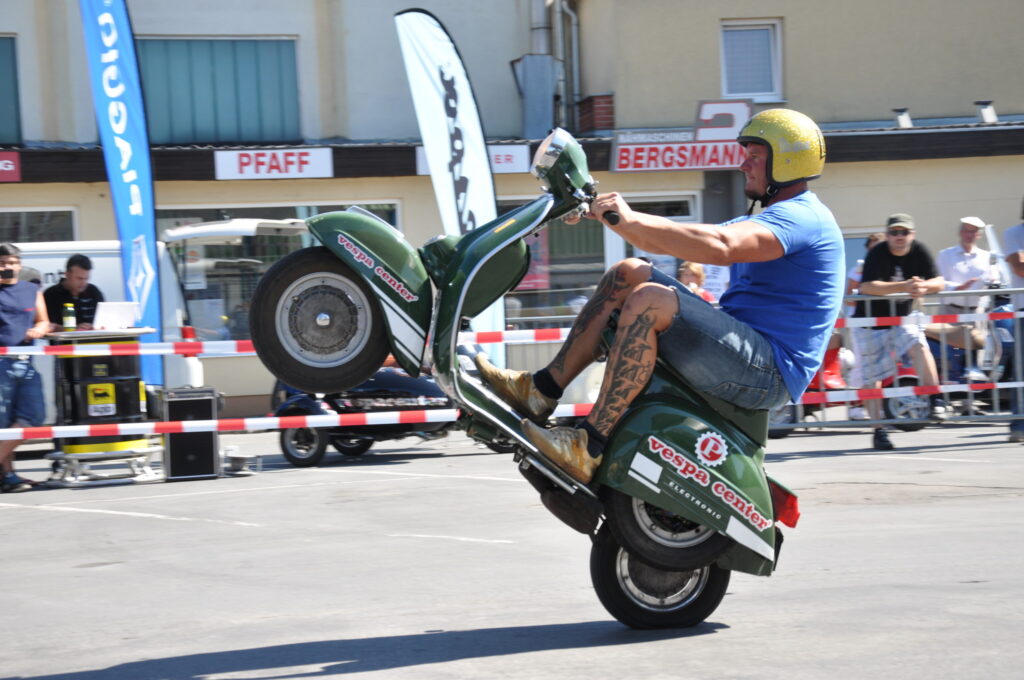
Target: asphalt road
437	560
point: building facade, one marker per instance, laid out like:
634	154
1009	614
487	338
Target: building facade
238	90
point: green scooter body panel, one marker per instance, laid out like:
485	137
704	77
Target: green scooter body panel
472	281
674	450
379	253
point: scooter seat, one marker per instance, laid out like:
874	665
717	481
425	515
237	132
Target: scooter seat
753	422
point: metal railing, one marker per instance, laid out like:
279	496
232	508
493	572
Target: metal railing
977	358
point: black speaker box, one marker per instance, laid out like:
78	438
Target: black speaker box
191	455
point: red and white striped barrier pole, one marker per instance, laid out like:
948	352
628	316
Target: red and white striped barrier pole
232	347
413	417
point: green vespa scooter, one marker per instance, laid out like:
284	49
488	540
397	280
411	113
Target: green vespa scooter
681	498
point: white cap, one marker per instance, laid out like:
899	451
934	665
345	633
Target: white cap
973	221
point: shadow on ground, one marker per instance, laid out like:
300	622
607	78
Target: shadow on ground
333	657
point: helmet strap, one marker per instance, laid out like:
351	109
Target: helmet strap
764	199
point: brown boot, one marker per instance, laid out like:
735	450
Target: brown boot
516	388
566	447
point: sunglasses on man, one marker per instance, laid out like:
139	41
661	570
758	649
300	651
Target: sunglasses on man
898	232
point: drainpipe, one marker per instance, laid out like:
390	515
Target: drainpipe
559	52
574	35
540	28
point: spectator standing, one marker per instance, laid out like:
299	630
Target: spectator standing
75	288
22	320
901	265
1013	242
853	277
691	275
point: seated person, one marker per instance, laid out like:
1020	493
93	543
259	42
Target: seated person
75	288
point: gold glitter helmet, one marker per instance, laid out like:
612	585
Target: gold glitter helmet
796	148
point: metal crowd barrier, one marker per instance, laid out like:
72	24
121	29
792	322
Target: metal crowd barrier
976	350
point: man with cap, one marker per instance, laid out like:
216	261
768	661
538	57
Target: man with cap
900	265
966	267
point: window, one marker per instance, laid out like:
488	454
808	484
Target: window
10	117
27	226
568	260
219	278
752	60
220	90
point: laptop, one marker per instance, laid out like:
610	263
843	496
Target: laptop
115	315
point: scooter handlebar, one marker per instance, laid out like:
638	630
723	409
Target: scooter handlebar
611	217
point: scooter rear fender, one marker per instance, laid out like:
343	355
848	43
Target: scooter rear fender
380	255
674	451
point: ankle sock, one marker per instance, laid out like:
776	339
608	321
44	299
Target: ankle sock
546	385
595	440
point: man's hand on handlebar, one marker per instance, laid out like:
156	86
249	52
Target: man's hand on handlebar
602	206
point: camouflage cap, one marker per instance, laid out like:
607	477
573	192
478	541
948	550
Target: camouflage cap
900	220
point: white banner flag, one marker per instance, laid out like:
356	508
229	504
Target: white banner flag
449	123
453	138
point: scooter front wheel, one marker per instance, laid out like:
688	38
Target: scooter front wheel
315	324
642	596
660	538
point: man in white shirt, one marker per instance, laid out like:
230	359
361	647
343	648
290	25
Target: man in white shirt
1013	245
966	267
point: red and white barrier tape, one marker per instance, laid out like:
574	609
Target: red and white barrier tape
231	347
135	348
411	417
918	319
845	396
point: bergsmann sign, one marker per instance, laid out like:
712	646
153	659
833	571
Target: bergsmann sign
709	145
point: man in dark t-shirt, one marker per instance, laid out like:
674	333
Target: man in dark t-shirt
22	320
76	289
899	265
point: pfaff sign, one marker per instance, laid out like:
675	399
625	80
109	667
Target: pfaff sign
10	166
274	164
709	145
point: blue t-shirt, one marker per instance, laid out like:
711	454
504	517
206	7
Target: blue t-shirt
17	312
792	301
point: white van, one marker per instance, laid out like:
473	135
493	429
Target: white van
224	373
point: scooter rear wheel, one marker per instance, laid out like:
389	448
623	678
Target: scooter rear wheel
642	596
304	446
315	324
348	446
660	538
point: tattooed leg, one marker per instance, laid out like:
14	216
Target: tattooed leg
648	310
583	345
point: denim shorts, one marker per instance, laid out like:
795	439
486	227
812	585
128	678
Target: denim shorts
719	355
21	393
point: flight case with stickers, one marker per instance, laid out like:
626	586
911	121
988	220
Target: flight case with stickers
95	390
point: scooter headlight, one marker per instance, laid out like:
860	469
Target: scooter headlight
549	151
